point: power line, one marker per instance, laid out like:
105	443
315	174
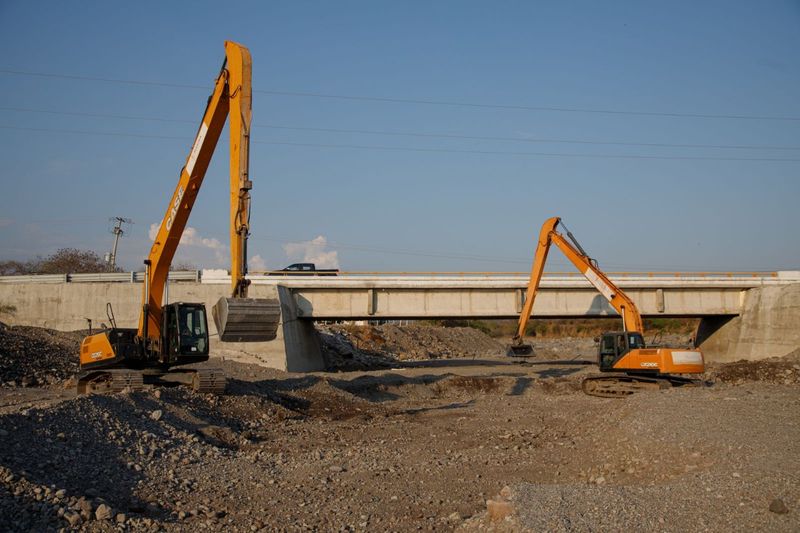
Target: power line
514	107
100	133
539	154
105	80
398	251
418	134
531	108
529	140
59	221
556	261
95	115
424	150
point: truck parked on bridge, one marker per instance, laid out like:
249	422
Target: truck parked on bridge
304	269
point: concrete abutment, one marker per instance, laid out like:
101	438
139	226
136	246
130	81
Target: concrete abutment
768	326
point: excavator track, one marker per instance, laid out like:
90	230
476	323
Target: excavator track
202	380
622	385
110	381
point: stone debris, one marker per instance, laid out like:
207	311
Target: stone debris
780	370
777	506
37	356
362	347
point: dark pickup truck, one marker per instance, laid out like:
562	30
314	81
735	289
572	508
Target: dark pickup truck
304	269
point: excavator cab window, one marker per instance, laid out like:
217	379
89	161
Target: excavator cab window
192	330
615	345
608	350
635	340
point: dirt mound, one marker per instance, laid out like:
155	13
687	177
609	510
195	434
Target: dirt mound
781	370
37	356
375	346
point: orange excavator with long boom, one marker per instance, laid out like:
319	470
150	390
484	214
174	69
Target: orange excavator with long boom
626	363
170	336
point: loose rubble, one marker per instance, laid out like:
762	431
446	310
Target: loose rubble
782	370
363	347
37	356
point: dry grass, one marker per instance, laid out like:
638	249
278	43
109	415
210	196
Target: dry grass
574	327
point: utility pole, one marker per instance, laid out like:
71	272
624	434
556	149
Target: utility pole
117	231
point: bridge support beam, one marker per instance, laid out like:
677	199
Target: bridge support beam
769	326
301	348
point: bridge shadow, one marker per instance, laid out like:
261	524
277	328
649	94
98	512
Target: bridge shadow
601	307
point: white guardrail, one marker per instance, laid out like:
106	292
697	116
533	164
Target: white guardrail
222	276
100	277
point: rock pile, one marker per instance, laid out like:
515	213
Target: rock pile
376	346
111	458
37	356
780	370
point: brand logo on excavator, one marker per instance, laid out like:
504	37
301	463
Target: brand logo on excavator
174	210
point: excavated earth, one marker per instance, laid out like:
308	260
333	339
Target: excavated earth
406	445
37	356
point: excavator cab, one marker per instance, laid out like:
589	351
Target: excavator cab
614	345
186	333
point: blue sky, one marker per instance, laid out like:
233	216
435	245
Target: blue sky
428	202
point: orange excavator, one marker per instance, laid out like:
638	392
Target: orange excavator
176	334
626	363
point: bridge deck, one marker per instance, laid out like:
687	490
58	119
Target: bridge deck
370	296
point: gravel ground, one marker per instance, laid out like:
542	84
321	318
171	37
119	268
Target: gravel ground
710	459
419	446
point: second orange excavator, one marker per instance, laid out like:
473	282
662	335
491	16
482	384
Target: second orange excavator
627	364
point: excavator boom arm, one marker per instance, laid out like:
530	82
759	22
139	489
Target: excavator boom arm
232	92
617	298
240	98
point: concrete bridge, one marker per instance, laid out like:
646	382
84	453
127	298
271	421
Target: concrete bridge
367	297
751	315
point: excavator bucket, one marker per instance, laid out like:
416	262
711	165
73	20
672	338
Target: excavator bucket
247	319
519	350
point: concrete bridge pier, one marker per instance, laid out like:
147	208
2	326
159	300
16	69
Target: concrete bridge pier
300	342
768	326
296	347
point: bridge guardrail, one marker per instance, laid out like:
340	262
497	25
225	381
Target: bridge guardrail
218	275
281	273
99	277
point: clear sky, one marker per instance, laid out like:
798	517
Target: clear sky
724	75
